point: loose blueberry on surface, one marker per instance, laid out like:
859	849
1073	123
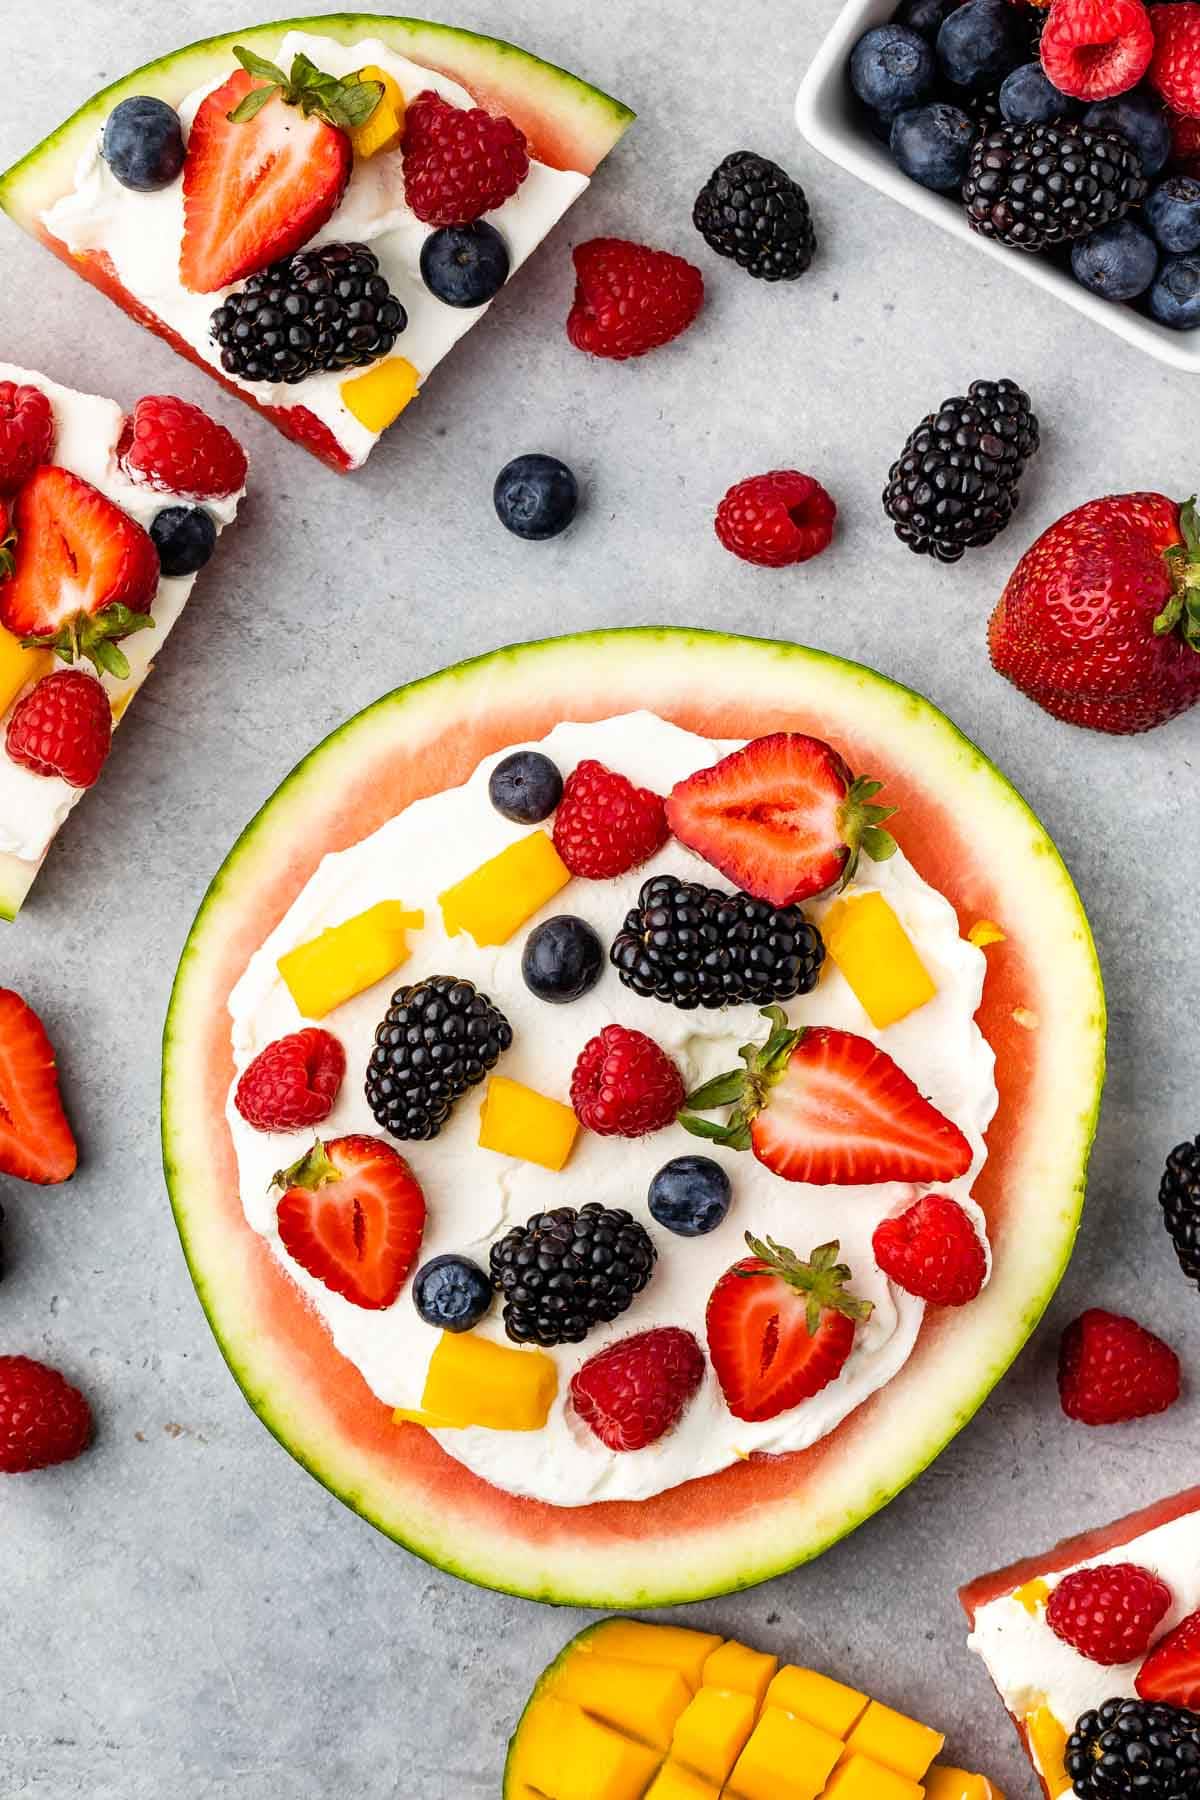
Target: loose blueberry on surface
891	67
690	1196
184	537
932	145
465	265
1175	296
526	787
1029	97
1173	214
143	144
536	496
1117	262
1141	119
563	959
452	1293
979	43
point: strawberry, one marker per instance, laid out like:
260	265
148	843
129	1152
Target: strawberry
776	520
62	727
1100	621
633	1392
293	1082
1109	1612
828	1108
932	1250
43	1419
623	1085
783	818
85	573
629	299
352	1214
780	1330
1175	67
459	162
26	433
1096	49
35	1139
1111	1369
1171	1672
268	159
606	826
175	447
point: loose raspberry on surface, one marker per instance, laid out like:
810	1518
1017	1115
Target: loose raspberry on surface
26	433
934	1251
293	1082
624	1085
630	299
778	519
633	1392
43	1419
1108	1613
460	162
1175	66
1171	1672
1096	49
62	727
1111	1369
606	826
175	447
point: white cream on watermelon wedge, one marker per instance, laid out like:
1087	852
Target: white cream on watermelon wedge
968	832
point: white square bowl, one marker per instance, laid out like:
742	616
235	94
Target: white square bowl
826	115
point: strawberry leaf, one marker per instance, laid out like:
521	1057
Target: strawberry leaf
344	103
821	1281
733	1137
250	107
722	1090
313	1170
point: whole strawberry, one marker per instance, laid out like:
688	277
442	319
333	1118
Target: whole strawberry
459	162
606	826
630	299
1175	66
633	1392
1096	49
1100	621
934	1251
62	727
1111	1369
624	1085
26	433
775	520
1108	1613
293	1082
43	1419
175	447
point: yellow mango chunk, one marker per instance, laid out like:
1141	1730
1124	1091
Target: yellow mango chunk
674	1782
785	1759
18	668
516	1121
858	1778
348	958
712	1733
943	1783
644	1703
497	898
984	932
661	1646
741	1669
569	1756
1048	1744
1033	1596
378	397
472	1381
385	127
836	1709
902	1744
876	955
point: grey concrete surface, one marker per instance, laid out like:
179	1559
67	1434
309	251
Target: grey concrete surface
185	1613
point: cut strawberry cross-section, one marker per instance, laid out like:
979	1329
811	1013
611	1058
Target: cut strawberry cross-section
352	1214
35	1139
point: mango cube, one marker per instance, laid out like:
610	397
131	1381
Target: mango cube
516	1121
497	898
573	1757
349	957
658	1646
902	1744
944	1783
712	1733
785	1759
876	955
1033	1596
674	1782
1048	1744
385	127
741	1669
18	668
985	932
377	398
858	1778
644	1703
473	1381
817	1698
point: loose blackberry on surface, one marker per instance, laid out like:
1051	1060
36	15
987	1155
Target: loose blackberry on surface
465	265
437	1040
564	1272
1179	1198
563	959
452	1293
690	1195
1135	1750
535	496
956	483
525	787
689	945
327	308
752	211
1033	186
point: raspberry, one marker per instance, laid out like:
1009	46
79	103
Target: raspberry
606	826
173	446
932	1250
624	1085
43	1419
776	519
1111	1369
63	727
633	1392
26	433
629	299
459	163
1108	1613
1096	49
1175	68
293	1083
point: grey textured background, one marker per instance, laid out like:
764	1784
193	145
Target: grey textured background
185	1612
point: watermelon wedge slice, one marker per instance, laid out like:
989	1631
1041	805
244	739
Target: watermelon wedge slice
968	832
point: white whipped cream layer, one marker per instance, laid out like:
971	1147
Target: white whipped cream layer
143	234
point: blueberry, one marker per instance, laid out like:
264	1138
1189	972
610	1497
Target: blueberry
1173	213
925	16
143	144
690	1196
891	67
184	537
452	1292
979	43
932	145
1029	97
1175	296
526	787
1141	119
563	959
1118	262
536	496
465	265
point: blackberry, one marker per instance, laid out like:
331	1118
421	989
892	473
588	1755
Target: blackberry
955	484
753	212
691	946
328	308
1179	1197
1031	186
565	1271
437	1040
1135	1750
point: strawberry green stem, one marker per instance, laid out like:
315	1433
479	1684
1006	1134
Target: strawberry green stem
313	1171
821	1281
1182	611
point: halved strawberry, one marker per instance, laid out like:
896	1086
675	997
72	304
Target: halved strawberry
352	1214
35	1140
779	1329
829	1108
84	575
783	818
1171	1672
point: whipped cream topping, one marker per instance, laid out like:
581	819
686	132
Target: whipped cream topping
474	1195
143	233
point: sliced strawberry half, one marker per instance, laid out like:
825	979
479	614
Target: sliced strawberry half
784	818
35	1139
827	1107
352	1214
1171	1672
